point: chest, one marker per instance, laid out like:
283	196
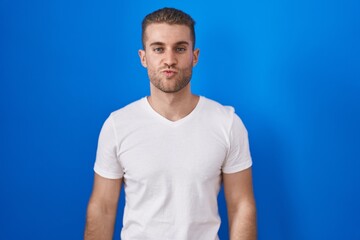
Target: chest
153	152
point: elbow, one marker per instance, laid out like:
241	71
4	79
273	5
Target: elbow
246	211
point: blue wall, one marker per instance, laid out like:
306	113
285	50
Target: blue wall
290	68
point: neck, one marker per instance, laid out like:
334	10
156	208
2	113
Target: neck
173	106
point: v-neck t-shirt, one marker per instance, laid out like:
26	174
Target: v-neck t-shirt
172	169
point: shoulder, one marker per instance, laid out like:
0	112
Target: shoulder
217	115
216	109
128	115
131	108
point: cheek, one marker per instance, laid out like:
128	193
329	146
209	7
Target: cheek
151	63
191	60
151	70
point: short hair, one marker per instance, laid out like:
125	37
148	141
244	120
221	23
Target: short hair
170	16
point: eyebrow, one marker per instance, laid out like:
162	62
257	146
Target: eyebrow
162	44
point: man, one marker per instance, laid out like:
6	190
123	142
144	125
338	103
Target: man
172	150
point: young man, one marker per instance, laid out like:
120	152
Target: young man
172	150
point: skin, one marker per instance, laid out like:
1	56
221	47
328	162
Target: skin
169	58
102	208
240	205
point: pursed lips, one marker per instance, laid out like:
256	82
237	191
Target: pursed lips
169	73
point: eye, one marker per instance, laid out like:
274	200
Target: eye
158	50
180	49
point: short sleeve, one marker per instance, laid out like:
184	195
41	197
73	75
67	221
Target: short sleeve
107	164
238	157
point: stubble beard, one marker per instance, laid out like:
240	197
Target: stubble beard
181	80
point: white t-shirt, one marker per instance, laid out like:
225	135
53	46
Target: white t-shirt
172	170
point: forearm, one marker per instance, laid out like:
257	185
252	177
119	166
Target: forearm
99	223
242	223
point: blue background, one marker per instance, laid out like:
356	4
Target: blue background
290	68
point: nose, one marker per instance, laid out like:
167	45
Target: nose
170	58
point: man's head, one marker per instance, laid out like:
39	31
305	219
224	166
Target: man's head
169	16
168	52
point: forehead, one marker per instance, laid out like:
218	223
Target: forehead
166	33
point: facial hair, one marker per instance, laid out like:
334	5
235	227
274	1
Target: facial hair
179	81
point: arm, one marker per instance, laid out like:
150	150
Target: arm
102	208
240	204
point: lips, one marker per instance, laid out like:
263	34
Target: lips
169	73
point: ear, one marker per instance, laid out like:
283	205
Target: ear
196	53
142	58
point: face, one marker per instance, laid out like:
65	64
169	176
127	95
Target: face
168	56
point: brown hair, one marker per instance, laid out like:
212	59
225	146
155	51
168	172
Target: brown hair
169	16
